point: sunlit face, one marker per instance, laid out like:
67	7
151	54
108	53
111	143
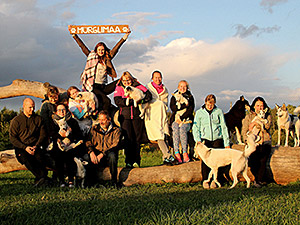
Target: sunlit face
182	87
73	93
101	50
61	110
28	107
209	105
259	105
157	79
126	81
53	99
104	121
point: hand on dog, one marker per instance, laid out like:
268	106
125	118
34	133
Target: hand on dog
63	133
30	150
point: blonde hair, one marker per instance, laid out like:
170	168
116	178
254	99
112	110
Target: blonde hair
187	84
128	75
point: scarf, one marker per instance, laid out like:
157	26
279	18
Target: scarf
87	78
159	87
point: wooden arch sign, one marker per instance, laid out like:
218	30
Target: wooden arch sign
98	29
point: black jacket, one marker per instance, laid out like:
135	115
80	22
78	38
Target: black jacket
24	131
189	113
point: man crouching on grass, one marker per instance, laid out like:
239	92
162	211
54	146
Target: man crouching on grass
27	134
103	144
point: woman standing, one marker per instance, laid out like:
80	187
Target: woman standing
257	160
181	125
210	127
129	117
98	66
156	120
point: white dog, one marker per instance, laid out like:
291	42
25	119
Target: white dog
180	99
90	102
261	121
288	123
137	95
215	158
65	144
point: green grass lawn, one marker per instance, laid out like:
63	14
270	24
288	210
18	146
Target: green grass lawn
21	203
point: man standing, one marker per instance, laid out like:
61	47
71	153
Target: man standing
103	144
27	135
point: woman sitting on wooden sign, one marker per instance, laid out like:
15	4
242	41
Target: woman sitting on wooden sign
98	66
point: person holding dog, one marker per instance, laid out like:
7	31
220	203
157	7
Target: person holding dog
65	158
130	120
27	134
181	125
257	160
76	107
103	144
210	127
98	66
156	120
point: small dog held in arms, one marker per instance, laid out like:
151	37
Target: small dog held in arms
90	102
65	144
260	120
180	99
137	95
290	123
215	158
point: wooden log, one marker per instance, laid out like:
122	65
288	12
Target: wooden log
21	87
283	167
9	162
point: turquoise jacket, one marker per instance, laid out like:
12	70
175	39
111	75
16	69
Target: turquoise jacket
210	126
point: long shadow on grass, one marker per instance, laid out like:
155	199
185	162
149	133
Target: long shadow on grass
138	204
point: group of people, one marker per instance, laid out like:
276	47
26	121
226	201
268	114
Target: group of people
33	136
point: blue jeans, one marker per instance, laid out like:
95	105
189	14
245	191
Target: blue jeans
180	135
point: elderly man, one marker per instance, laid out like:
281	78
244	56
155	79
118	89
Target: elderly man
27	135
103	144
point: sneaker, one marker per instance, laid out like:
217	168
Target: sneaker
71	185
62	185
135	165
178	158
186	157
168	162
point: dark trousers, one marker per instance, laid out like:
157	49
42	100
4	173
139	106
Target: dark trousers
110	159
34	163
101	91
223	172
257	161
64	162
135	134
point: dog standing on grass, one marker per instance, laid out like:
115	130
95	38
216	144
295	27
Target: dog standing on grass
290	123
215	158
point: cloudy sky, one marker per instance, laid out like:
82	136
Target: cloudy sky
226	47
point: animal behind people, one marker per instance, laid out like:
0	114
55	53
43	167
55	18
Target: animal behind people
290	123
215	158
235	116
